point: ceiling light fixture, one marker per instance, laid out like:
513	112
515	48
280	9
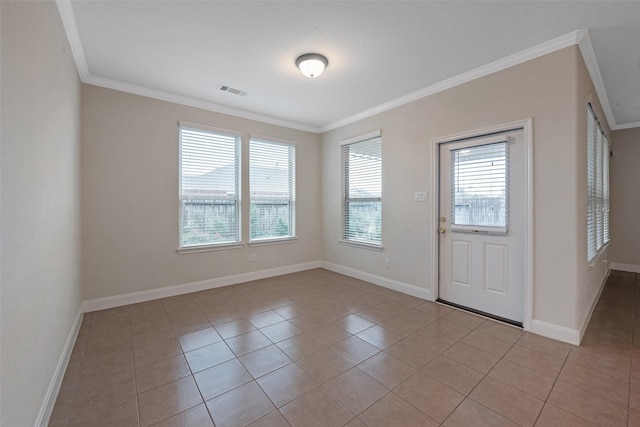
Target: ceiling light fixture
312	64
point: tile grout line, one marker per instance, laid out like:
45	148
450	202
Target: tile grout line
468	396
389	390
555	381
633	327
566	361
93	323
135	374
182	353
633	332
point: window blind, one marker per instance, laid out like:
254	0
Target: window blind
597	186
362	203
272	172
209	186
598	190
479	186
605	190
592	131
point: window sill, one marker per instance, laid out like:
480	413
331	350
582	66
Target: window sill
599	254
209	248
362	245
267	242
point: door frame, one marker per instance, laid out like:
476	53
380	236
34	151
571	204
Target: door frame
527	126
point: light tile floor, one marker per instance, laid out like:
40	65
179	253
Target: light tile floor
321	349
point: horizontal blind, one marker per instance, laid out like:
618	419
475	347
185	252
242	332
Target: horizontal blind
362	162
592	131
272	189
605	190
598	233
479	185
209	178
598	190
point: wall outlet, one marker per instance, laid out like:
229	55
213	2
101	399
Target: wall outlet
252	258
586	290
421	196
387	263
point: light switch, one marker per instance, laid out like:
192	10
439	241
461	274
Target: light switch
421	196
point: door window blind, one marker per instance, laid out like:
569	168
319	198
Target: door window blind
362	204
272	172
209	186
597	187
479	187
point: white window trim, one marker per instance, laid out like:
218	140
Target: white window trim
211	246
355	243
275	241
271	139
593	262
207	128
293	220
600	150
363	137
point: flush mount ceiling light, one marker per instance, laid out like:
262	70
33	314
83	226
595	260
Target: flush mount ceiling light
312	64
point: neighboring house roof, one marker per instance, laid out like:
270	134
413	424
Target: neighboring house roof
265	181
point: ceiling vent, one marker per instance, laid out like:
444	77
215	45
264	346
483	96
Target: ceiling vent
232	90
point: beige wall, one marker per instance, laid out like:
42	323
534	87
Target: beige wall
625	198
590	277
544	89
41	290
130	197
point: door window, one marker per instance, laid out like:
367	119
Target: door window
479	188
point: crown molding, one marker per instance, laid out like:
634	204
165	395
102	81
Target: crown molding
485	70
579	37
623	126
69	23
196	103
589	57
65	10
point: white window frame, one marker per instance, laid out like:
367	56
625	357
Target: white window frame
597	188
475	176
346	239
235	198
289	200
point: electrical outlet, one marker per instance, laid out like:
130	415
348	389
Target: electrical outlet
586	290
387	263
420	196
252	258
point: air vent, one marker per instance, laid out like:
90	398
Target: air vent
232	90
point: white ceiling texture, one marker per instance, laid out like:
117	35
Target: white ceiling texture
381	54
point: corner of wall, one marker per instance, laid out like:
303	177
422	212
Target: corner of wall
54	386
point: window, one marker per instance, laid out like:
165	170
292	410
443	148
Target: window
209	186
597	187
479	184
362	179
272	172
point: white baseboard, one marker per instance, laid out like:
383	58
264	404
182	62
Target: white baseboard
632	268
203	285
592	305
556	332
54	386
405	288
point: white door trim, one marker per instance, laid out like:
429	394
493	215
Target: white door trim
527	126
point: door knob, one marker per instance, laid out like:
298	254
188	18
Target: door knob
442	230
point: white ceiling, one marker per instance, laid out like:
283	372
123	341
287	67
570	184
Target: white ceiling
381	54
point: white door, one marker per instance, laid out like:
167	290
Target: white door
481	225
